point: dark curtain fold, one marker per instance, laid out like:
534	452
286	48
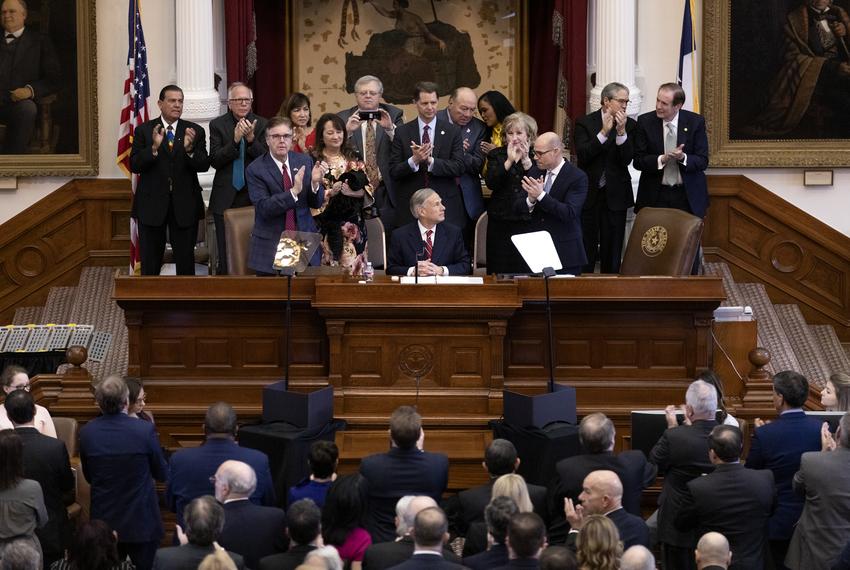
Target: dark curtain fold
239	33
270	79
542	63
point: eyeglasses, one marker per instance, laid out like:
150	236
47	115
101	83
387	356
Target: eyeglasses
286	137
241	101
539	153
25	387
622	101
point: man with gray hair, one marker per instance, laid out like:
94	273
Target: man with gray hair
121	456
20	554
254	531
712	552
637	557
429	245
681	455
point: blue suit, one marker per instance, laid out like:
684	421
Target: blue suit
190	471
265	187
448	249
470	181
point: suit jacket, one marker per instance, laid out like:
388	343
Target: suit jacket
427	562
271	201
287	560
649	144
187	557
681	455
559	213
34	63
253	531
493	558
632	530
737	503
778	446
473	160
448	249
171	173
190	470
521	563
121	457
224	152
472	502
384	555
595	158
824	526
46	461
448	166
397	473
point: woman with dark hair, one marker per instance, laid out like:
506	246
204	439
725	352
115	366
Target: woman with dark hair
22	507
94	547
136	400
342	519
493	108
723	416
296	108
15	377
598	545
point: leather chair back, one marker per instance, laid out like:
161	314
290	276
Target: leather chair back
663	241
376	242
238	225
66	431
479	254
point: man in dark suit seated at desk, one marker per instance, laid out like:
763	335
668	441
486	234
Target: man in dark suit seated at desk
431	244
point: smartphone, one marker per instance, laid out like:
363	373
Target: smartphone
369	115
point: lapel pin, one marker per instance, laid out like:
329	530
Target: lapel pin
442	132
468	130
686	129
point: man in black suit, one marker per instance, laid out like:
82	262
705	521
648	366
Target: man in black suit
251	530
681	455
712	552
497	514
304	521
406	469
29	71
45	461
526	541
236	139
427	153
168	153
732	500
429	245
604	143
555	201
373	138
204	519
430	533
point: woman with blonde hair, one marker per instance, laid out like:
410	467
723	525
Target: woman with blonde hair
513	486
598	545
219	560
835	395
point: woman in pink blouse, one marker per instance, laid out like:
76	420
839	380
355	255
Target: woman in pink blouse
342	519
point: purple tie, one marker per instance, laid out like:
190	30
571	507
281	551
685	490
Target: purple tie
426	139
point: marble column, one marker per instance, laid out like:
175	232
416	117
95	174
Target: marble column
614	49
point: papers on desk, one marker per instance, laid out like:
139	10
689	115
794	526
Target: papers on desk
447	280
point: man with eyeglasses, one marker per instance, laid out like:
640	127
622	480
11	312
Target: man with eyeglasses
605	147
236	139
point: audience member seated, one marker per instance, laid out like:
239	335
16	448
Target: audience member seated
304	522
497	516
732	500
431	244
526	541
324	558
835	396
94	547
712	552
722	416
219	560
406	469
637	557
20	554
777	446
430	534
191	470
297	108
387	554
46	461
823	479
322	459
254	531
342	519
602	495
596	435
15	377
21	501
598	545
137	396
204	519
558	558
121	457
681	455
510	485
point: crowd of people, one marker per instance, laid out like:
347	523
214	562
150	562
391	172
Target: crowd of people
332	175
783	506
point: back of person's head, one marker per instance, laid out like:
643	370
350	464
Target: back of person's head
596	433
558	558
405	427
841	382
219	560
598	544
526	535
20	407
134	388
112	395
11	459
323	457
220	420
513	486
710	376
702	398
497	516
345	506
20	554
792	386
326	558
204	519
304	521
407	508
713	550
637	557
431	528
727	443
500	457
94	547
239	477
844	431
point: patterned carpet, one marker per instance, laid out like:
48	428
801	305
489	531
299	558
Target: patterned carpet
813	364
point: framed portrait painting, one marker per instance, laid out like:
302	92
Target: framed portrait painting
776	78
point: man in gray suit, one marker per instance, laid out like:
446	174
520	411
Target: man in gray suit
823	478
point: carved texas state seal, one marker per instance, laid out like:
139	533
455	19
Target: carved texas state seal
654	241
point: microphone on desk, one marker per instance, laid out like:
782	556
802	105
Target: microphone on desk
420	255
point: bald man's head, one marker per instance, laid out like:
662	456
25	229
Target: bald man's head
637	557
416	504
601	492
234	480
462	104
713	549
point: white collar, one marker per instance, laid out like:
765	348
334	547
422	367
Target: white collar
17	34
423	229
674	121
432	124
165	124
280	165
557	169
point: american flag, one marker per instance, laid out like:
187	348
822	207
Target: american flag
134	111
